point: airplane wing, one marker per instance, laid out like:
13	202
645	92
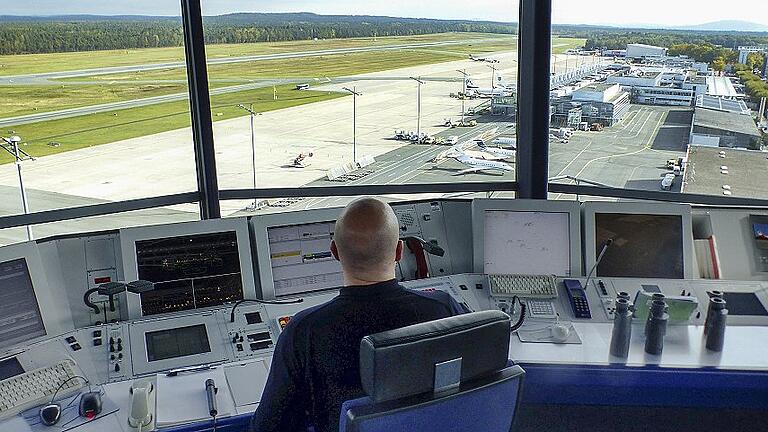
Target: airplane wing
494	157
470	170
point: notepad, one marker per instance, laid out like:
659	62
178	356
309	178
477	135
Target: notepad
182	399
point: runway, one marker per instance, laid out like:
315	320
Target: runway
43	78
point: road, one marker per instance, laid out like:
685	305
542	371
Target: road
42	78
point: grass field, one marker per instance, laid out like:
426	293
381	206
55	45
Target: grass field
22	100
101	128
39	63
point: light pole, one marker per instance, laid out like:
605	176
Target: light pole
19	155
355	94
418	106
252	114
493	76
463	91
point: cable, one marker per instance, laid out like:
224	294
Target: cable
53	398
89	303
400	267
214	424
523	309
272	302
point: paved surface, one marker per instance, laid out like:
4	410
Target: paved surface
164	163
630	155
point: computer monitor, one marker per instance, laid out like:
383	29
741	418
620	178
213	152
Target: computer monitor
193	264
29	308
649	240
297	259
526	237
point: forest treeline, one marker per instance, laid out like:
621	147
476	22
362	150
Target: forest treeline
31	35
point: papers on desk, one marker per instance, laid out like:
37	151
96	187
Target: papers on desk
247	381
181	399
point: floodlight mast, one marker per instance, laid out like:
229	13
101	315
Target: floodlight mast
463	91
252	114
418	106
355	94
19	155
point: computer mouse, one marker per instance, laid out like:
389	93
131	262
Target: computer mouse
90	405
560	332
50	414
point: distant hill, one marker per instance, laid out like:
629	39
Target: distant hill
717	26
247	19
39	34
732	25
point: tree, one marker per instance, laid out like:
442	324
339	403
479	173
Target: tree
718	65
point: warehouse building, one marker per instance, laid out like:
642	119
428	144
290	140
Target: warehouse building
640	51
719	122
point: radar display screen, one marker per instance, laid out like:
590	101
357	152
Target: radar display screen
177	342
301	259
527	243
644	245
189	272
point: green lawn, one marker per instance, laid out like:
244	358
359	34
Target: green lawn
22	100
101	128
320	66
38	63
95	129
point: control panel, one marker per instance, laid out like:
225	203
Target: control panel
250	333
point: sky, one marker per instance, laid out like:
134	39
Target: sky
616	12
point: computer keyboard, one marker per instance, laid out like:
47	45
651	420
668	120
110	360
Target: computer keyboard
36	387
532	286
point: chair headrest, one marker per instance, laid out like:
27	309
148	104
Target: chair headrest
402	362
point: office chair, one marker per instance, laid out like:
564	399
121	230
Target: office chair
447	375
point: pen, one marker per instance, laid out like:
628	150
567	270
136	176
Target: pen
174	372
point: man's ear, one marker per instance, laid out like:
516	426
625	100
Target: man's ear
334	250
399	251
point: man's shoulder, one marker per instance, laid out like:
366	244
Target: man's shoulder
434	296
311	314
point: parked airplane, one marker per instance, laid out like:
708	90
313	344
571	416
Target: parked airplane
498	151
483	59
501	89
506	141
475	164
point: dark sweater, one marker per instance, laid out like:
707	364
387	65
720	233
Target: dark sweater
315	367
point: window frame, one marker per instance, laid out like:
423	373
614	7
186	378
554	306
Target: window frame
534	47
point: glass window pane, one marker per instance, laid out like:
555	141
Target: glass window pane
93	126
677	104
349	100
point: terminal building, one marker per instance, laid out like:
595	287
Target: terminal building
600	103
578	307
661	85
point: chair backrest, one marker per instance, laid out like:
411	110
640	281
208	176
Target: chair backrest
445	375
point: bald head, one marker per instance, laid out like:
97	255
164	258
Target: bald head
366	241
